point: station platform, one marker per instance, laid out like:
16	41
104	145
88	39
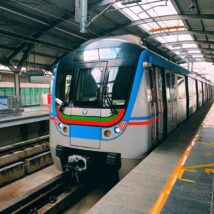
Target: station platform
30	123
176	177
28	115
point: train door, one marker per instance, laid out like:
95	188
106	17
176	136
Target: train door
197	94
200	94
203	93
181	98
153	103
159	84
171	102
86	106
194	95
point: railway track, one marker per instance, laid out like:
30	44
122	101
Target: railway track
23	158
54	196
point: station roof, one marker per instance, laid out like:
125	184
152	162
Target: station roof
38	33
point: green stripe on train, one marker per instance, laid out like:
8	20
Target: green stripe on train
89	118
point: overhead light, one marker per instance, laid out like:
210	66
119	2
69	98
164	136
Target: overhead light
125	2
177	45
192	5
183	51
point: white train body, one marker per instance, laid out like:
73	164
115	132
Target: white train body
114	100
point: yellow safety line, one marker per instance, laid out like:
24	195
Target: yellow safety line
180	175
159	204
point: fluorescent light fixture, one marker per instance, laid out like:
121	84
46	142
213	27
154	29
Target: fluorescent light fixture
177	45
128	2
139	10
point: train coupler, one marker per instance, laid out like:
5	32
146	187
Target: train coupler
77	163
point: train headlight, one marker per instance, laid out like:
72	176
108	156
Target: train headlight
117	130
65	129
60	125
107	133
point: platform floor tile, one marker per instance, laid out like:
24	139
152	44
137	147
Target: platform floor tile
178	205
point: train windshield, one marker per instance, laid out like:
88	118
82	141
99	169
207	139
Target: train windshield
88	86
118	85
108	89
96	87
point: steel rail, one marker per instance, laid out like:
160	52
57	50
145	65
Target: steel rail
48	193
38	196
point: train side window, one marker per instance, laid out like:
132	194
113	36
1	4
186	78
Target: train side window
168	86
173	83
181	86
68	79
194	87
200	87
190	86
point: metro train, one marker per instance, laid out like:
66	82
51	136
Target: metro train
113	100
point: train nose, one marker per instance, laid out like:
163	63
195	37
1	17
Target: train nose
77	163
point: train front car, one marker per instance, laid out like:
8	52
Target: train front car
92	102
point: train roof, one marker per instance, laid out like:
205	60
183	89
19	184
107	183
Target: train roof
114	41
133	42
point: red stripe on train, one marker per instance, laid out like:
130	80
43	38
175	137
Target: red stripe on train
92	123
140	123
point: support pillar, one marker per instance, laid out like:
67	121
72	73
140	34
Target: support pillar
17	89
192	66
81	14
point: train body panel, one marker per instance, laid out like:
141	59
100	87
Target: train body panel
192	89
118	108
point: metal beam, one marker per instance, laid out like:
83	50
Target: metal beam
196	54
181	32
161	18
43	54
199	60
56	60
189	42
193	49
19	13
39	21
54	24
32	52
32	64
31	40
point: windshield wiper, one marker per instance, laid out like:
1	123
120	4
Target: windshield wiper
108	99
63	103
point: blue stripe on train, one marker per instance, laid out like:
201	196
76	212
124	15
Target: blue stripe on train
155	59
91	132
145	117
53	102
86	132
